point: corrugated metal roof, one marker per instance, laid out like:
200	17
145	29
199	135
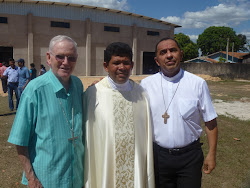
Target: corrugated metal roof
80	12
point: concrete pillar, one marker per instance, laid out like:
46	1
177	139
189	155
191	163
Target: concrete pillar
134	49
30	41
88	47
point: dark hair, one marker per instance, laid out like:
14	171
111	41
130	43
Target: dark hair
117	49
163	39
32	65
11	59
4	63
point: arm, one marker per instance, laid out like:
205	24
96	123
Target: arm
212	136
23	155
26	84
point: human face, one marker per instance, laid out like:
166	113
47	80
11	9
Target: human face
62	67
169	57
20	64
12	64
119	68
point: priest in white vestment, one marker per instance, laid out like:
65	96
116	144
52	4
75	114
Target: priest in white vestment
118	143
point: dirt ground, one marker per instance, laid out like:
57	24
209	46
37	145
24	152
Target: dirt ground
236	109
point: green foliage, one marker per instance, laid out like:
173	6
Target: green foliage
190	49
222	60
214	39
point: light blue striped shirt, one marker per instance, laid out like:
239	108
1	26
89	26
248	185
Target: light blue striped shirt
41	125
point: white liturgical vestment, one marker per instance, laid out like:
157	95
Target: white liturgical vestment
118	143
187	99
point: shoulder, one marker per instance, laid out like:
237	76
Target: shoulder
193	77
38	83
150	80
76	82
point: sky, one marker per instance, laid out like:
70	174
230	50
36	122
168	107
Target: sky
193	15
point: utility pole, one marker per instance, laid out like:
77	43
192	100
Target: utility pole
227	50
233	53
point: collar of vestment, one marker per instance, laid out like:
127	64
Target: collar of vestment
57	85
120	87
174	78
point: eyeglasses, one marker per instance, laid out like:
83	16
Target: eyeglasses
61	58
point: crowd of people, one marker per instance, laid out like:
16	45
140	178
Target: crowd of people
117	133
16	78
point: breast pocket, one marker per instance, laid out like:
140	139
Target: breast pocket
187	107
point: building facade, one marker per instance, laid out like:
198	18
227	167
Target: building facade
26	28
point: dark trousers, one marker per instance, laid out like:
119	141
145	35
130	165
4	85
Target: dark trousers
4	84
13	87
178	169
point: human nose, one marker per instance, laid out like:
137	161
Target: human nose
121	66
169	55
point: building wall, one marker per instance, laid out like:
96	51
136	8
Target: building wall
222	70
29	35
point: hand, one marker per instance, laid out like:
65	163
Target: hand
35	183
209	164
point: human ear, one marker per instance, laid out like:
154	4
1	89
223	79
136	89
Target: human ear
105	66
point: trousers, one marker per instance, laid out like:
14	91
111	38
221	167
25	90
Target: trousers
178	168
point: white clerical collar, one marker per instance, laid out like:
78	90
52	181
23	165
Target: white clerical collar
120	87
171	79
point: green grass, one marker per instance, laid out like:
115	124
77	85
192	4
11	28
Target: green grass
233	161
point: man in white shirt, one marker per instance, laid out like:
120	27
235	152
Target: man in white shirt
118	146
177	100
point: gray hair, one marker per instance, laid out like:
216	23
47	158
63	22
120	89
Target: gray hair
60	38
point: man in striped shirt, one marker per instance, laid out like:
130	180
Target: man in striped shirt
48	126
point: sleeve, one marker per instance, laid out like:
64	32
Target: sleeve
24	124
5	73
30	71
150	158
206	106
27	74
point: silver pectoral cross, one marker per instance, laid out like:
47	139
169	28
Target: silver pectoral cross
165	116
73	137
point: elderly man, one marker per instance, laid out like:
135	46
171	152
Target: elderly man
48	126
24	77
177	99
13	77
118	127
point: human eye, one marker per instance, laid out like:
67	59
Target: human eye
61	57
72	58
162	52
127	63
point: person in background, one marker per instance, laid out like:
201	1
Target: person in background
47	129
178	101
24	77
13	77
3	79
32	71
42	70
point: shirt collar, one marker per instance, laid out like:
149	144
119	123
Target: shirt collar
174	78
120	87
57	84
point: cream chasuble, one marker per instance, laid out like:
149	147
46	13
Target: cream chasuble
118	144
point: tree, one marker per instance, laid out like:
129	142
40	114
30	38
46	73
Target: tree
214	39
243	43
190	49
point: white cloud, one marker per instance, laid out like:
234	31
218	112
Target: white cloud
113	4
221	15
193	37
